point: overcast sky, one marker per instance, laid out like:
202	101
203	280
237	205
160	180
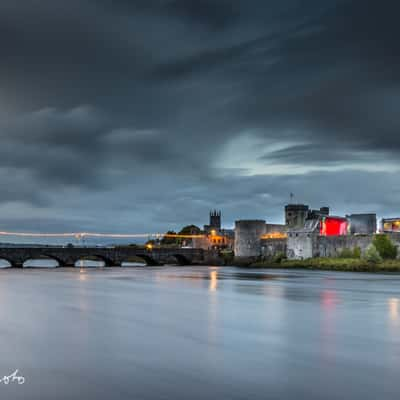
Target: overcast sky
142	115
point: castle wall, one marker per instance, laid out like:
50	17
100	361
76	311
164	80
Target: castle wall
332	246
395	237
271	247
300	245
273	228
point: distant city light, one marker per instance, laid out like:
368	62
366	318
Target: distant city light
274	235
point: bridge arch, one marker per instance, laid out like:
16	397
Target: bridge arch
107	262
181	259
41	258
150	261
133	261
9	262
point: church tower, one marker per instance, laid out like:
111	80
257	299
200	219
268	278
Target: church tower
215	220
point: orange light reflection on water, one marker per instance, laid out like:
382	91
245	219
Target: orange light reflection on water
393	304
213	281
82	274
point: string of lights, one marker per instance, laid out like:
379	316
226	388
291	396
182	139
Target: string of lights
95	234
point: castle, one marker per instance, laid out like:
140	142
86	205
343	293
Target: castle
310	233
306	233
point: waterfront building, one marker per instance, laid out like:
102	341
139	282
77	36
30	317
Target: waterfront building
389	225
215	237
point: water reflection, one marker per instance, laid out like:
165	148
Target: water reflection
393	304
201	332
89	263
4	264
212	323
329	299
213	281
82	274
41	263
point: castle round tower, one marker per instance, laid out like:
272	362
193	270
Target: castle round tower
248	235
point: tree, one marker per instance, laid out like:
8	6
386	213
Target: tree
350	253
385	247
169	240
190	230
371	255
178	241
346	253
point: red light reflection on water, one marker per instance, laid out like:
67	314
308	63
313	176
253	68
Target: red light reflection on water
329	299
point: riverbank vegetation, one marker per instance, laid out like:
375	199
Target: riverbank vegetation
334	264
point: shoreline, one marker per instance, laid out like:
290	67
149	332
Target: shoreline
330	264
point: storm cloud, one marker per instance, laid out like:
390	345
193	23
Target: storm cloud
138	116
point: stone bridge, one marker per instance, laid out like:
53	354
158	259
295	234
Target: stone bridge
111	256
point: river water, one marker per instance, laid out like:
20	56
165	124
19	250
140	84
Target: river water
199	333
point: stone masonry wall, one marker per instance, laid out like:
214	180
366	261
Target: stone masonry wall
332	246
271	247
300	245
303	245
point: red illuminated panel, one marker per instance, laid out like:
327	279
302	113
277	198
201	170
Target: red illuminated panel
333	226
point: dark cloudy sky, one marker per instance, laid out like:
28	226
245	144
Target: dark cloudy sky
141	115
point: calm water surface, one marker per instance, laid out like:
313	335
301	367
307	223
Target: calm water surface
199	333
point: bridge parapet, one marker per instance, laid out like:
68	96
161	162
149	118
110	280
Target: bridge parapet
111	256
